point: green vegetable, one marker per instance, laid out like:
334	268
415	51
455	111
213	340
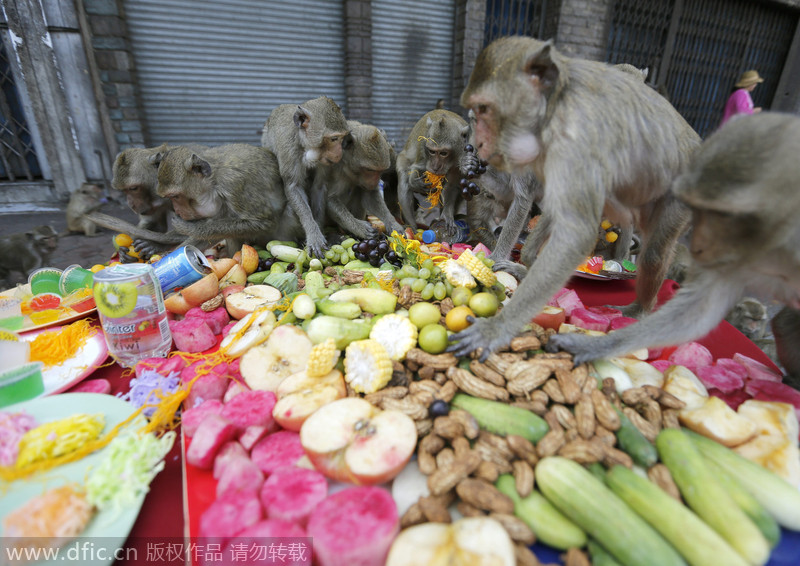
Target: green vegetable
264	254
288	254
548	523
706	496
342	309
343	331
585	500
689	534
599	555
633	442
375	301
258	277
778	496
286	283
502	418
303	307
286	243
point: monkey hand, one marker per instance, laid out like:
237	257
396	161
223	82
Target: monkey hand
584	348
469	162
125	257
364	230
316	245
516	269
486	334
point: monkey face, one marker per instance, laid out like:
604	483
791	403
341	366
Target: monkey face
331	149
139	199
369	178
439	159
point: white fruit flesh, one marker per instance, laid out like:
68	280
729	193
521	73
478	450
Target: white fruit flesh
299	396
384	443
285	352
251	298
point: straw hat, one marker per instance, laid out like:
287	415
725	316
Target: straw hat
749	78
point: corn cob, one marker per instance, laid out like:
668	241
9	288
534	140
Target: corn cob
396	334
322	359
367	366
458	275
476	267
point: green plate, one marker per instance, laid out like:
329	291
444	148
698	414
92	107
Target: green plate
107	530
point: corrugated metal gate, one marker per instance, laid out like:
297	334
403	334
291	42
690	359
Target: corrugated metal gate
696	50
514	17
210	72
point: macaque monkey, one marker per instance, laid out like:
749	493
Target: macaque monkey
135	174
436	146
306	139
603	145
742	191
749	316
353	184
86	198
26	251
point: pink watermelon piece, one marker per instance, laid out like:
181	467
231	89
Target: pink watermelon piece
191	418
718	377
213	432
481	248
773	391
732	399
277	450
234	388
553	302
228	452
757	370
209	386
252	434
354	527
162	366
227	328
692	355
589	320
92	386
257	536
229	515
654	353
732	366
621	322
661	365
293	493
241	474
250	408
192	335
608	312
216	319
569	301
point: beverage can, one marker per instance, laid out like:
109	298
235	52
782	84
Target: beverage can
131	308
180	268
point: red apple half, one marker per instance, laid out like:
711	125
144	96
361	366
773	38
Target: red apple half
353	441
551	317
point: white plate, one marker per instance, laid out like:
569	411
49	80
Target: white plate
66	315
77	368
107	530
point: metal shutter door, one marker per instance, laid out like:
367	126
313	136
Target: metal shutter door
210	72
412	62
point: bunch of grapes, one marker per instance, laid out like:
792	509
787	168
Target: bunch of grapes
376	252
427	280
469	188
265	264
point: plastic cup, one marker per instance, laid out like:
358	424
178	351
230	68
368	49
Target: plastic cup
21	383
11	313
45	280
73	278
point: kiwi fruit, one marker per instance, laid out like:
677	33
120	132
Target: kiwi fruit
115	299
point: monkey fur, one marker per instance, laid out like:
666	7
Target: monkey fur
749	316
135	174
435	144
741	188
602	143
86	198
352	185
24	252
306	139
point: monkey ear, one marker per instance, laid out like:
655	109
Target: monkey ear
156	159
348	140
196	164
302	118
465	132
541	68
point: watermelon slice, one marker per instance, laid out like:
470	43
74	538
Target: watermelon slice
293	493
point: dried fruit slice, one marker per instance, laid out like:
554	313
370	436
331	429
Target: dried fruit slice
115	299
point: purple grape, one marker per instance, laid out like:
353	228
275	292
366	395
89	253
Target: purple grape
469	148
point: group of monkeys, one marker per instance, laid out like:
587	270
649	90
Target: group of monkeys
581	140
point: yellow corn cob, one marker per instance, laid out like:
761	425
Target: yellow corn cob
367	367
477	268
57	438
396	334
458	275
322	359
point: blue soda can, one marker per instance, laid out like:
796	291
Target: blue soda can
181	268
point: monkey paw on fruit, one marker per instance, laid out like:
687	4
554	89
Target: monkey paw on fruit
516	269
584	348
316	245
488	334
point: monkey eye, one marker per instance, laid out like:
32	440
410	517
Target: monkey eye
481	109
444	153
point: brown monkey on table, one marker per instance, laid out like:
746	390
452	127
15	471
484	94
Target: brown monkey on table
26	251
306	139
602	143
436	146
352	185
742	191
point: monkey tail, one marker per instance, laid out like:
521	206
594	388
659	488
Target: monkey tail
123	227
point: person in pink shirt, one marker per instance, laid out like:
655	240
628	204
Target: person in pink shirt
740	101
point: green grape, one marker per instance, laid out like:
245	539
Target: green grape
487	262
335	258
407	281
448	287
351	253
427	292
437	271
418	285
412	271
337	248
439	291
326	262
424	273
428	263
329	253
348	243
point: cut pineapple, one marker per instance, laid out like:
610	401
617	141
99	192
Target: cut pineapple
716	420
477	268
396	334
323	358
367	367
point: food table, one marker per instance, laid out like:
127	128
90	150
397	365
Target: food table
163	517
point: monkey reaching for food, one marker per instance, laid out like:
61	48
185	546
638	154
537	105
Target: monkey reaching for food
86	198
741	188
135	174
26	251
306	139
352	185
435	147
603	145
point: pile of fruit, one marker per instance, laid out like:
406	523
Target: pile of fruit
336	369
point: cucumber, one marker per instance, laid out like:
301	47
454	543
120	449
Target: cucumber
705	496
633	442
599	555
689	534
586	501
341	309
548	524
342	330
502	418
258	277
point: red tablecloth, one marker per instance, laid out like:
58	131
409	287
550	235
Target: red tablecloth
162	515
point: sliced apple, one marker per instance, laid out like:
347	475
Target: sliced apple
351	440
205	288
222	266
236	275
250	331
248	259
472	541
176	304
681	382
300	395
249	299
284	353
551	317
